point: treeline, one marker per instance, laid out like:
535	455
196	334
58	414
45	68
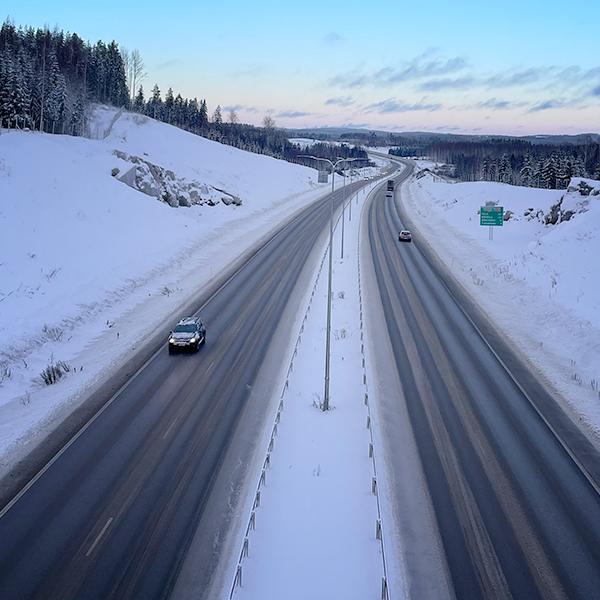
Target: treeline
193	115
47	78
513	161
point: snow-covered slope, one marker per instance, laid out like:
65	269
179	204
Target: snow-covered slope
82	254
538	277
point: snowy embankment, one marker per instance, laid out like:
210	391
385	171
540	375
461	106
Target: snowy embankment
537	279
313	524
90	265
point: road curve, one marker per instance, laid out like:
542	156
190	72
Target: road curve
518	515
112	516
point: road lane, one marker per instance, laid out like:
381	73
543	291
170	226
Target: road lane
516	515
112	516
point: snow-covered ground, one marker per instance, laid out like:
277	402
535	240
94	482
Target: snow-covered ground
89	265
313	534
538	281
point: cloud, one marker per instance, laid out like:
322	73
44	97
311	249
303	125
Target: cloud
596	91
167	64
240	108
555	103
293	114
447	83
340	101
420	67
356	125
332	38
391	105
518	77
495	104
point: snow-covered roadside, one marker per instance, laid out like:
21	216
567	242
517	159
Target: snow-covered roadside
313	533
537	282
90	267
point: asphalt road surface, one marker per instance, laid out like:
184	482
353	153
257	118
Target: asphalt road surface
113	515
512	492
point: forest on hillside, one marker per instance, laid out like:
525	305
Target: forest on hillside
511	160
48	79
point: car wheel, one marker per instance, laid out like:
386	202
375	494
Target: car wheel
171	351
204	339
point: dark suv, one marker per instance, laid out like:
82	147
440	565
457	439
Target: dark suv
187	335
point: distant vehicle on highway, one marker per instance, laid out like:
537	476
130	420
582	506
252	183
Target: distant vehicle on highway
188	334
405	236
390	189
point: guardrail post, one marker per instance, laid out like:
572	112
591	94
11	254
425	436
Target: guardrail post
378	529
368	422
374	486
370	450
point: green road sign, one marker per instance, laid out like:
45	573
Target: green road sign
492	216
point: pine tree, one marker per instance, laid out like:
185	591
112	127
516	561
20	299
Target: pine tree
155	104
78	115
139	102
203	115
168	107
548	174
526	173
217	116
577	167
504	169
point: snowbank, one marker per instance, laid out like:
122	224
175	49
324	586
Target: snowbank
84	256
538	278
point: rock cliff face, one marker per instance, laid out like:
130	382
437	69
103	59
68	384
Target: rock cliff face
164	185
575	200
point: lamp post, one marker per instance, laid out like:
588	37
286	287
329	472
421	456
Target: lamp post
325	405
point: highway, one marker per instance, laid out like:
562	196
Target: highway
113	514
509	483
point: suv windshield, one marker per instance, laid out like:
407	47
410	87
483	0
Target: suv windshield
186	328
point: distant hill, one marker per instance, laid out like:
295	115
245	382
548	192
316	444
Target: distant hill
378	136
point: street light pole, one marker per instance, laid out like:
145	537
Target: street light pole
343	213
325	405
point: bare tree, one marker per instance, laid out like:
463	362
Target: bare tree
137	71
269	122
134	69
233	117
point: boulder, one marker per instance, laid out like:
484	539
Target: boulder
129	177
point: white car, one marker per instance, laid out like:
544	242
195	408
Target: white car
405	236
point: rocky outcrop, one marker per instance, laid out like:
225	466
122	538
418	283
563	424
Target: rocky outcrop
162	184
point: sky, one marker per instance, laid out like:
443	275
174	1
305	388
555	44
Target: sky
512	68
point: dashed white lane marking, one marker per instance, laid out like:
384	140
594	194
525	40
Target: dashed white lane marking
166	433
99	536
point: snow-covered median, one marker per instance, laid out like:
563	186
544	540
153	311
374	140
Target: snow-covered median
538	278
89	265
313	533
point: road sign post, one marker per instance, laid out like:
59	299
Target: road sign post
491	216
